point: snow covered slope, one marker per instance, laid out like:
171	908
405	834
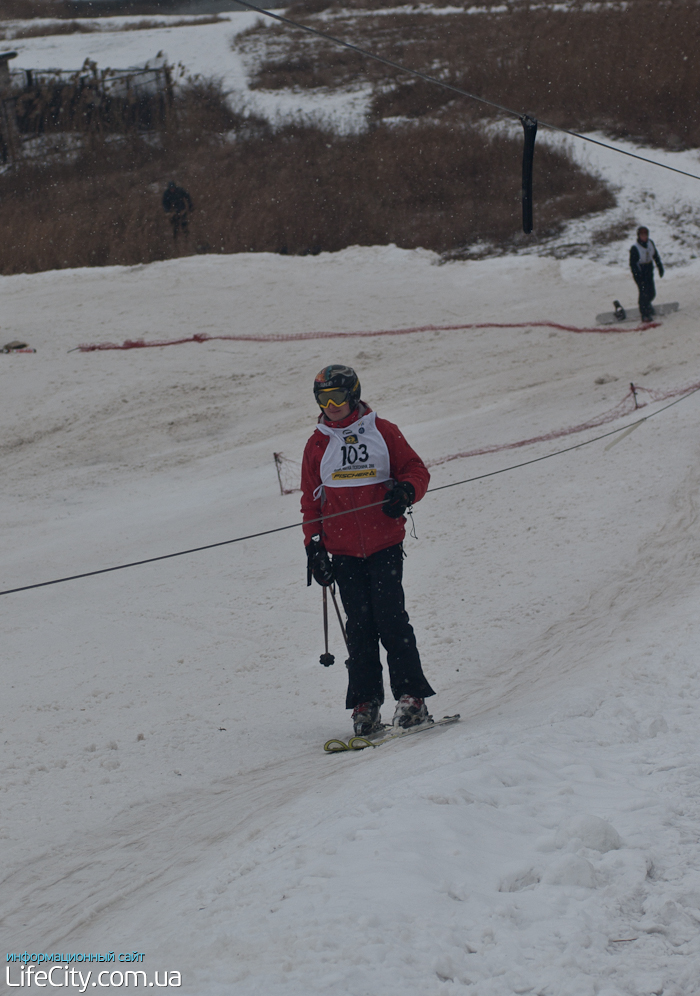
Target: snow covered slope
164	787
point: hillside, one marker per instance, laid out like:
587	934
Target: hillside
258	161
164	784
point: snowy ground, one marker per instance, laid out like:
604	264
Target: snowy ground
163	783
164	787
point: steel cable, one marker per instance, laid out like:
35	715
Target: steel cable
325	518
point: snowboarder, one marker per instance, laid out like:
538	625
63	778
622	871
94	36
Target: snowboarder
355	459
178	204
643	255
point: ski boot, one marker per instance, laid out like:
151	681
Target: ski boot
411	711
366	718
620	313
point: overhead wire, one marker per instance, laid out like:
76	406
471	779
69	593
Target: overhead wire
325	518
459	90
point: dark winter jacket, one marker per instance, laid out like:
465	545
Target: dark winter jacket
644	255
176	199
359	533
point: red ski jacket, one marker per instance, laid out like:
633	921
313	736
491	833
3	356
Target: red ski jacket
359	533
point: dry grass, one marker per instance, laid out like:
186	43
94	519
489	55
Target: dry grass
307	71
73	27
630	70
301	190
308	7
182	22
49	28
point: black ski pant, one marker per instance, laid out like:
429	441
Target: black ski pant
179	221
647	289
373	598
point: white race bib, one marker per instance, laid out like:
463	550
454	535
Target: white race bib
355	455
646	253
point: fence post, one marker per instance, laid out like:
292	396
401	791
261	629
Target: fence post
278	464
9	134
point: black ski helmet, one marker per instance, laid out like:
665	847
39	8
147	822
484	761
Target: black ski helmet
336	376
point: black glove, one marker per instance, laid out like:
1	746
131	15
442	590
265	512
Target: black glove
661	271
401	497
319	564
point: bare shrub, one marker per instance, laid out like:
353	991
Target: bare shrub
201	111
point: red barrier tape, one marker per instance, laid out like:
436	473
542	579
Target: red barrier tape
629	404
301	336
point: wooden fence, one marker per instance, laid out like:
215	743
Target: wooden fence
89	101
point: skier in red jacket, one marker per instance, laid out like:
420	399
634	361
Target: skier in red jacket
355	459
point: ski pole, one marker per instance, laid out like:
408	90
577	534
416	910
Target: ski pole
340	619
326	659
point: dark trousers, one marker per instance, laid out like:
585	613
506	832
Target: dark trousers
647	289
179	220
373	599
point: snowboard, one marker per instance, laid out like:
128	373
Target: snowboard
385	734
632	314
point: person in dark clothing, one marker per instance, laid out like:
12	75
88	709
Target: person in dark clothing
360	464
643	255
178	204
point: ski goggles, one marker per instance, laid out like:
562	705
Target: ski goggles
336	396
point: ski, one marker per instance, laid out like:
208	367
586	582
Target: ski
384	735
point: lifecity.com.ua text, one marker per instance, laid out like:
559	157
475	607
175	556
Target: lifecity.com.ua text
61	976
